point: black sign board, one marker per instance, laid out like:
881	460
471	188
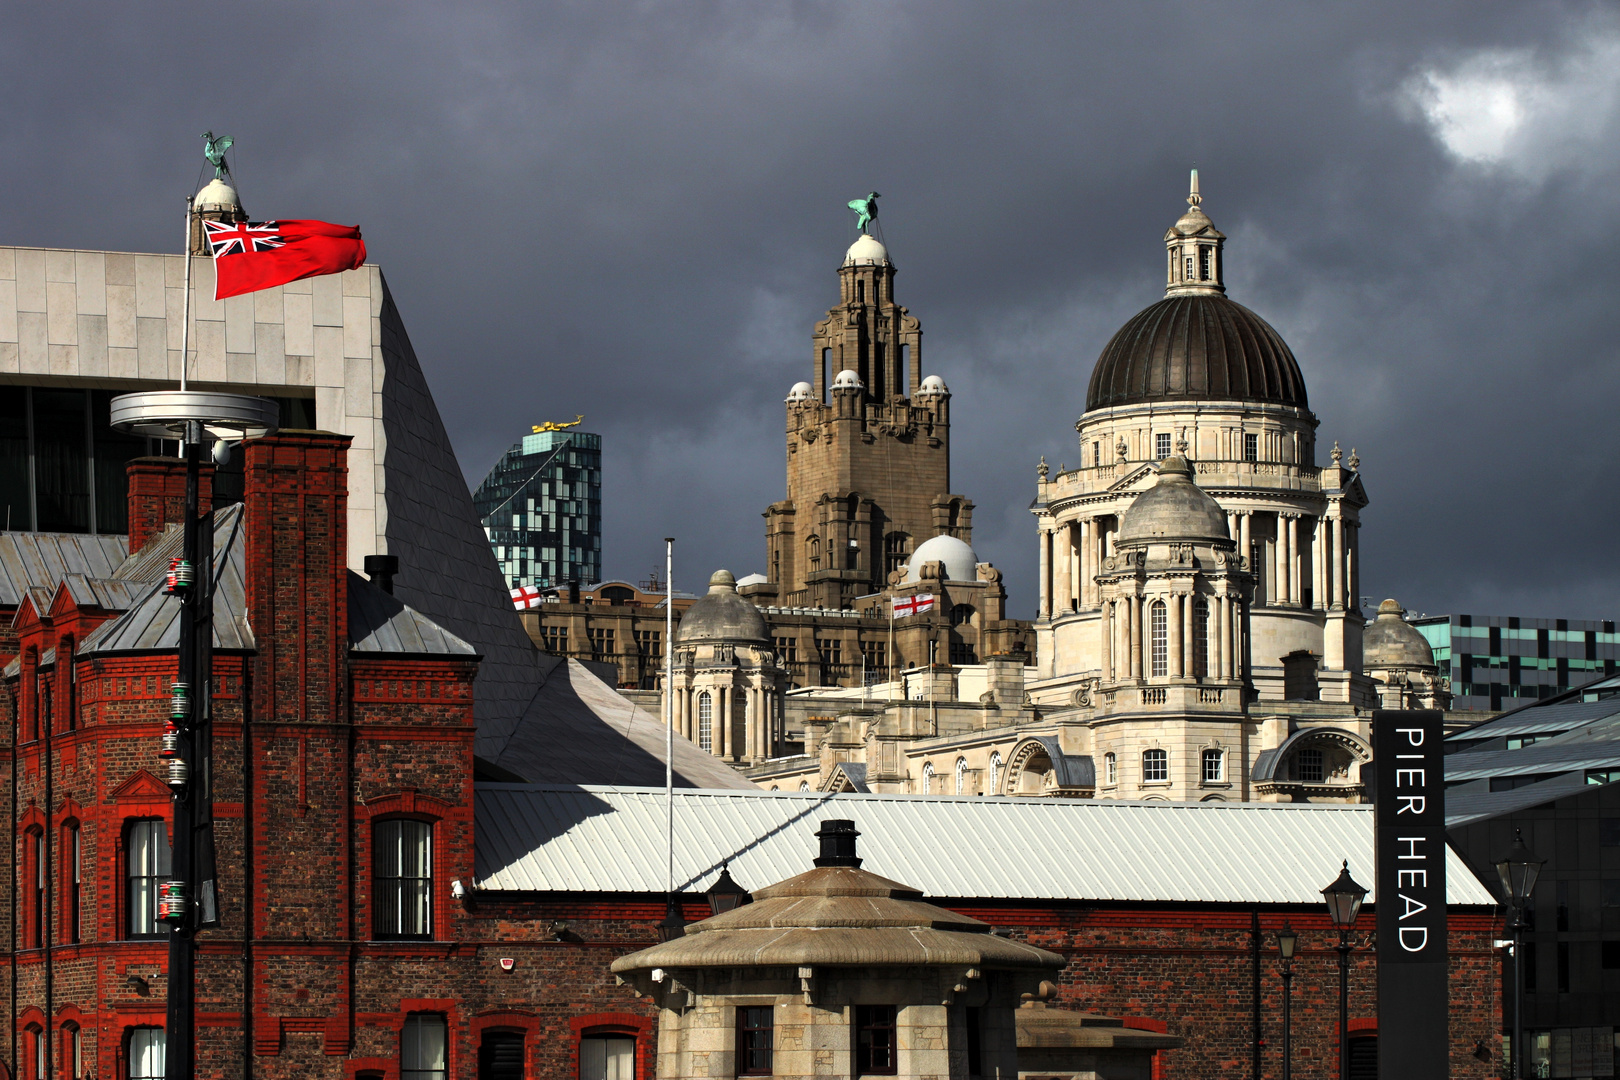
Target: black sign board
1409	761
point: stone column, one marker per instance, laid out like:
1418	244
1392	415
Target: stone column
1318	563
1061	586
1220	668
1044	607
1279	562
1244	547
1353	571
1294	568
1105	628
722	716
1172	613
1338	562
1136	636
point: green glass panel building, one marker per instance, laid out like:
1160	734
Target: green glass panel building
1502	662
541	507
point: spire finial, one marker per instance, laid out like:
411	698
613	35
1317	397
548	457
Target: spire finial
1193	198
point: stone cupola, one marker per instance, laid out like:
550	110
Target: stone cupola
1193	246
728	685
838	972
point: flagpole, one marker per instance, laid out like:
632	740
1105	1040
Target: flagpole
185	317
669	702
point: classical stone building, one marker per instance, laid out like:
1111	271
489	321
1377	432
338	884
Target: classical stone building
1400	661
728	688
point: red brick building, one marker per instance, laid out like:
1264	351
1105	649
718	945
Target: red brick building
360	938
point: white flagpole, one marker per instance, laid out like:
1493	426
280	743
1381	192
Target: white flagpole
185	317
669	701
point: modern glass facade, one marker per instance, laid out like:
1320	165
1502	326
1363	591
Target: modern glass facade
541	507
1502	662
62	466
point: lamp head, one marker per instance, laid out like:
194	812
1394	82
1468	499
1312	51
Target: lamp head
1518	868
1344	898
1287	942
725	894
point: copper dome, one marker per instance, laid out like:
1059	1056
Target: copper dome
1198	347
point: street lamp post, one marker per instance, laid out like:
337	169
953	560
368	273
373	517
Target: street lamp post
1344	898
1518	869
1287	941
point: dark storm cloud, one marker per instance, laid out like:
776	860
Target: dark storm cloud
635	212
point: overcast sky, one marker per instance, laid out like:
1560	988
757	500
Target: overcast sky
636	212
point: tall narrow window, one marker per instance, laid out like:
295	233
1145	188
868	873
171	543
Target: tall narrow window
75	882
1110	769
402	875
1251	447
1159	623
813	553
1200	638
705	722
961	776
860	291
72	1051
1214	767
975	1041
1161	445
424	1050
1155	766
37	922
610	1057
995	773
1096	454
36	1050
876	1052
1189	268
1204	263
928	778
146	1053
756	1028
147	863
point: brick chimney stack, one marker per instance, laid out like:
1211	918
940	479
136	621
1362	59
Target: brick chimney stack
157	496
296	497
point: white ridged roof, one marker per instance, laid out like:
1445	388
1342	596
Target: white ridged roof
612	839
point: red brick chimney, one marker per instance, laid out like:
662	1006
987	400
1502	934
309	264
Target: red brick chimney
297	503
157	496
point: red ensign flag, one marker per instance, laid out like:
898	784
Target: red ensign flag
249	256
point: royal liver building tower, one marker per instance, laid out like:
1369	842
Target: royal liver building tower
1198	598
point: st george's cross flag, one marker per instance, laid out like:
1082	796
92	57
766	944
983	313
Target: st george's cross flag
249	256
914	605
526	596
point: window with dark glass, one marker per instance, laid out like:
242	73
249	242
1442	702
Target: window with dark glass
1309	766
424	1048
36	921
36	1049
975	1042
1251	447
75	883
1563	967
876	1050
403	876
607	1057
146	854
756	1026
72	1051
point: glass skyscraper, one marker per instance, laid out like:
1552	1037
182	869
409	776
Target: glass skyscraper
1502	662
541	507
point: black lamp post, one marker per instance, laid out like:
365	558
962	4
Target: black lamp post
1344	898
725	894
1287	941
673	924
1518	869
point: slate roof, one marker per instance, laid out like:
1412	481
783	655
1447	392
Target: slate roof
379	623
41	560
1534	719
1464	806
613	839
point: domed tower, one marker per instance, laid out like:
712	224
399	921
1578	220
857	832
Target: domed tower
728	687
1401	661
868	450
1198	374
217	201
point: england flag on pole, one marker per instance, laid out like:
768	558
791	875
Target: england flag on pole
526	597
914	605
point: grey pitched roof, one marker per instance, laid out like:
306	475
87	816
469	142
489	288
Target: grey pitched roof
41	560
379	623
1464	806
1560	716
1594	744
1073	770
614	839
152	623
578	729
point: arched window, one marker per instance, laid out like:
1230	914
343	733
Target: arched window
424	1048
1214	767
962	614
894	552
961	776
145	1053
928	778
72	1051
705	722
36	877
1110	769
1155	766
995	773
804	785
1159	624
1200	638
73	881
36	1051
813	553
146	863
402	877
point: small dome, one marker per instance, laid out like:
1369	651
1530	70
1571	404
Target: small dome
1174	508
1392	642
933	385
961	564
848	380
216	195
802	391
866	252
722	615
1191	223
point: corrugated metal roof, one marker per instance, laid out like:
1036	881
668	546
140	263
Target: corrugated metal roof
41	560
613	839
152	623
379	623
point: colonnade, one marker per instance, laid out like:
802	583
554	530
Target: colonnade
760	719
1127	636
1072	555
